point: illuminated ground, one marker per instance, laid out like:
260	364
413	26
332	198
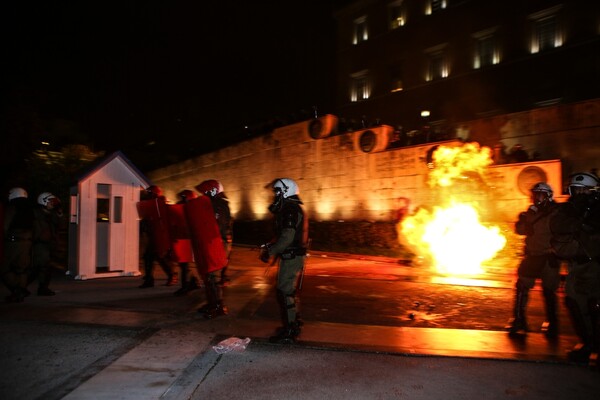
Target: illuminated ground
106	335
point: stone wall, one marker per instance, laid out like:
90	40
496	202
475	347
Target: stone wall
344	177
337	180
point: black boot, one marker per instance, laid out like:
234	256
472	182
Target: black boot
211	299
288	334
519	323
183	280
44	285
581	352
214	307
216	311
193	284
172	279
148	283
45	291
16	296
550	327
594	309
290	331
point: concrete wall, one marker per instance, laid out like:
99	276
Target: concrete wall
339	181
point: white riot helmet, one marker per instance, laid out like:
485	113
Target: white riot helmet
544	188
581	181
542	193
210	187
16	193
46	198
287	187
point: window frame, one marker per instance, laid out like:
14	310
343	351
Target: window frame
360	87
481	57
396	14
360	30
437	63
545	36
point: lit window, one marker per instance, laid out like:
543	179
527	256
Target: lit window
361	33
437	67
397	14
396	84
360	88
545	30
486	49
432	6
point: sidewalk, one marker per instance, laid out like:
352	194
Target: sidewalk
151	344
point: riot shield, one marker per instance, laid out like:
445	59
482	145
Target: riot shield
207	245
180	234
154	213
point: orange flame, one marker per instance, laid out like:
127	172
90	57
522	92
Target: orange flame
450	163
451	235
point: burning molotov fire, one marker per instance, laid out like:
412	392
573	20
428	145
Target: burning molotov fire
450	234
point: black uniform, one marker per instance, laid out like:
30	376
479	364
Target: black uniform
220	205
291	229
539	262
576	229
18	234
45	244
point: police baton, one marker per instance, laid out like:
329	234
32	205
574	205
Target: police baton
301	279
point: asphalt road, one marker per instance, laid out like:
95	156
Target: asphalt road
105	338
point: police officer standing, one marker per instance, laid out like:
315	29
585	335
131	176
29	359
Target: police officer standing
18	234
188	283
539	261
576	238
220	203
47	215
151	253
289	246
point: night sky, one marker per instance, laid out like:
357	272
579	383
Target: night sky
182	77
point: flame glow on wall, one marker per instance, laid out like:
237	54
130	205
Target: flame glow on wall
450	235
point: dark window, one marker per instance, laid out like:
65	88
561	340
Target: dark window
103	203
545	30
436	66
361	33
396	16
396	83
485	50
118	211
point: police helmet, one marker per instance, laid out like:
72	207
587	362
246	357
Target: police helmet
16	193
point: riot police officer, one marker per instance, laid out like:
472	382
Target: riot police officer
289	246
539	262
214	306
576	238
18	234
188	282
220	203
47	217
151	253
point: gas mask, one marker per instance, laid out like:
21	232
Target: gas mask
277	200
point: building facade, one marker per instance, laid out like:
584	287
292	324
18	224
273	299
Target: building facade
416	74
429	65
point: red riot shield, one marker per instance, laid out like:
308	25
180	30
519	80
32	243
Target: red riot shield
180	233
155	213
207	244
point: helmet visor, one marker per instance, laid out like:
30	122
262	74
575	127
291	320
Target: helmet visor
578	189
